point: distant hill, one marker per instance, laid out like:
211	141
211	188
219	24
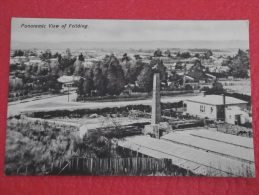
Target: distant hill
134	45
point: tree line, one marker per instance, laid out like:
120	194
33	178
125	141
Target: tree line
111	75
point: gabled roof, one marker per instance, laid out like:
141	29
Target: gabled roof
68	79
209	75
216	100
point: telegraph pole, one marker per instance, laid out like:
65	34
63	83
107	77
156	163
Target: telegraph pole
68	94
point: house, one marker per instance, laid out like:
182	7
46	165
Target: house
68	82
212	106
88	64
128	88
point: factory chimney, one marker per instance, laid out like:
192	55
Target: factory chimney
224	106
156	105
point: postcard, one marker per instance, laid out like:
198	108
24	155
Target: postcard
129	98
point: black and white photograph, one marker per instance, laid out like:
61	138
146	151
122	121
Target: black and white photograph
96	97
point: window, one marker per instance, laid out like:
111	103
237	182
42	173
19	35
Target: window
211	110
202	108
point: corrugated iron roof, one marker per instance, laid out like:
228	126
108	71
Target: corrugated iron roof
215	100
197	161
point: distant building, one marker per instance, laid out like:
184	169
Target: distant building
128	88
14	61
88	64
68	82
13	81
211	77
212	106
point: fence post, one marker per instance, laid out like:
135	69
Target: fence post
51	168
34	169
77	164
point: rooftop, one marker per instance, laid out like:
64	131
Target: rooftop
197	160
216	100
68	79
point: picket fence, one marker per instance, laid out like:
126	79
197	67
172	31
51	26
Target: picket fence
105	166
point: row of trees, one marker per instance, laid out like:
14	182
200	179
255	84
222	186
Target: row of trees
42	76
111	75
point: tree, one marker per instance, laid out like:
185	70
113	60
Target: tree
158	66
217	86
186	55
145	79
88	84
131	70
55	55
46	54
197	55
239	65
18	53
79	68
80	87
197	71
67	65
158	53
98	79
208	54
55	68
125	57
115	79
81	57
68	52
168	53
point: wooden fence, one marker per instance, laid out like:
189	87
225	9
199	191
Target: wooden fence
107	166
24	97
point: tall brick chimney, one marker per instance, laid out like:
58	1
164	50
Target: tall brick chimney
156	105
224	106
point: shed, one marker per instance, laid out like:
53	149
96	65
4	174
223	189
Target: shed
234	115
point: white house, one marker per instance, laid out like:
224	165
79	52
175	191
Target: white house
212	106
234	115
68	82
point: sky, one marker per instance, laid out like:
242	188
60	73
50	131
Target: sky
129	30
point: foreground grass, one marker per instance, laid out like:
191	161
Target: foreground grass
32	144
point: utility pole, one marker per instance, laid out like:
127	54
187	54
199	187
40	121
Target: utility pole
68	93
184	73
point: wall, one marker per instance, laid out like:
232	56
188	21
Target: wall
193	108
230	116
242	106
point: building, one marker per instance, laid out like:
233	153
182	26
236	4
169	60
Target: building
68	82
212	107
14	81
128	88
235	115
